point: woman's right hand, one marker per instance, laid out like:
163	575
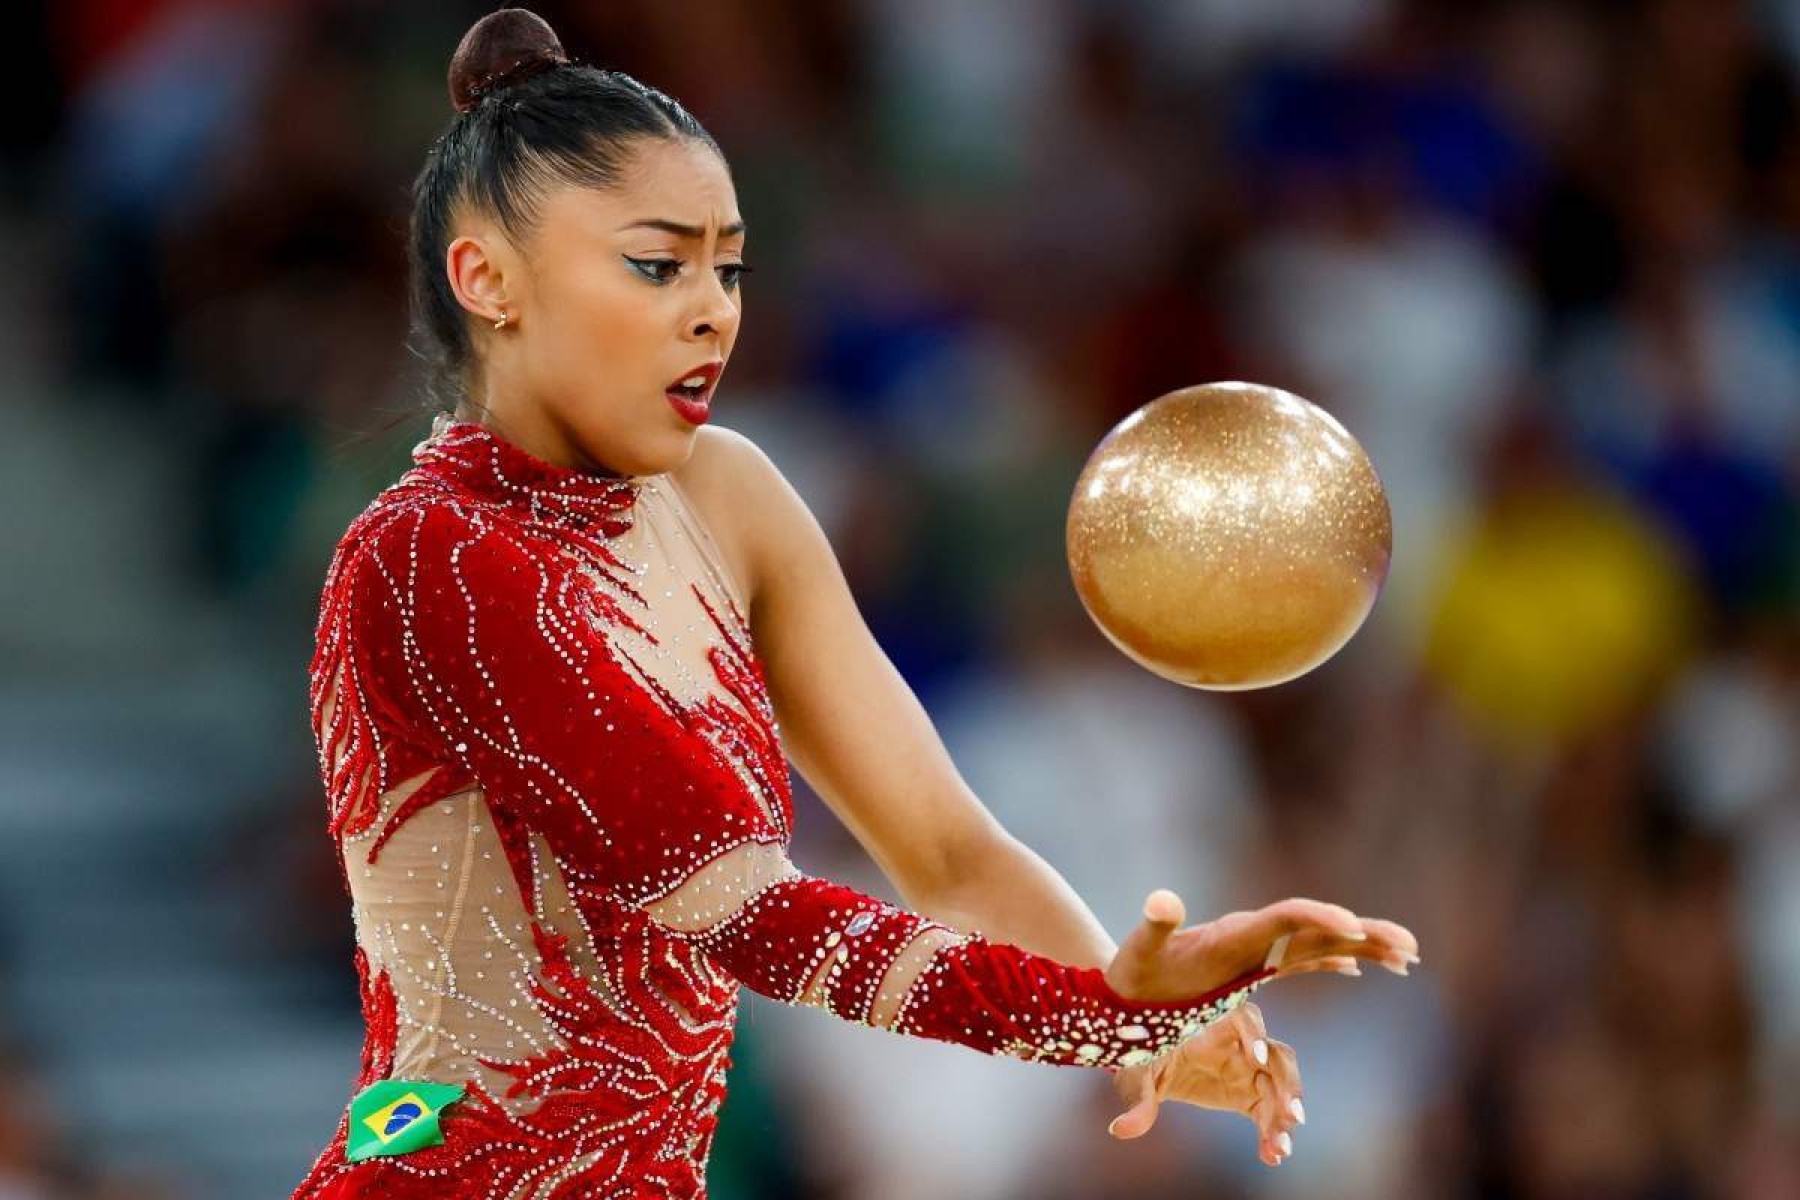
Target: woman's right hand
1232	1065
1162	961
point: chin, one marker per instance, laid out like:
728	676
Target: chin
683	450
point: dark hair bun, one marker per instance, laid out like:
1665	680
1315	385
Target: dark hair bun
501	49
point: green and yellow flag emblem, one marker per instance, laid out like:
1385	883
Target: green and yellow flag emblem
397	1116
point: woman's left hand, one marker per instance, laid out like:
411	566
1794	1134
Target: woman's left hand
1232	1065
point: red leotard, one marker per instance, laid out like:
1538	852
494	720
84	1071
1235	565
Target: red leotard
563	811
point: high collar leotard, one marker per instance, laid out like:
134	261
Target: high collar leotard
556	784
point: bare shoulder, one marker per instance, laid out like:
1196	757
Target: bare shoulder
731	483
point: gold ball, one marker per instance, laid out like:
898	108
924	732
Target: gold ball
1229	536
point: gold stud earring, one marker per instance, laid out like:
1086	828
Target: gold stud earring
501	323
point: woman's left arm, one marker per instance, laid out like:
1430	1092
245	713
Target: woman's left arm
857	733
860	737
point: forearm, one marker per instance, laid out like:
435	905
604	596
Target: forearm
1007	892
808	940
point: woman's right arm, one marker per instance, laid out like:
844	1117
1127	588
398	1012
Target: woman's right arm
804	940
470	633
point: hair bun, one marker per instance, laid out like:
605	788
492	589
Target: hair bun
501	49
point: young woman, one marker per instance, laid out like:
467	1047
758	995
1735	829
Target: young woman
562	665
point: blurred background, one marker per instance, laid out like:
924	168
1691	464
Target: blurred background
1543	259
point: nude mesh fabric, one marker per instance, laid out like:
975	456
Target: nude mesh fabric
439	909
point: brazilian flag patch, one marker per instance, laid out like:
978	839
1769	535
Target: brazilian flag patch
397	1116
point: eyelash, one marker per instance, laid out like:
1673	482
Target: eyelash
639	264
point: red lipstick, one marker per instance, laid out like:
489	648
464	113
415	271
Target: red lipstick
690	393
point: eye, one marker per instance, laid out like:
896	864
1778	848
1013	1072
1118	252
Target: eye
732	274
653	268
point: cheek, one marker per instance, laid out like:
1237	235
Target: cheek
603	320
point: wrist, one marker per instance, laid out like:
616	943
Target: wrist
1225	996
1156	1028
1105	1029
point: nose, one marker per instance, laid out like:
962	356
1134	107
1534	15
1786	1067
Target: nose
715	315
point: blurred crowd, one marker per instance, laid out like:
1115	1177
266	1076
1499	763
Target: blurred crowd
1542	258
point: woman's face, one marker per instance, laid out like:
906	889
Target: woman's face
616	297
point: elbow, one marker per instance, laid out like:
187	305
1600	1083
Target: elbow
967	880
968	857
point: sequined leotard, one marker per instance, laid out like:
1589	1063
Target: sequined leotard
563	812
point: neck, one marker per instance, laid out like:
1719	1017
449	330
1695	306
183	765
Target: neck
476	457
532	429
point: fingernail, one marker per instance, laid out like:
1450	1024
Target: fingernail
1112	1127
1398	968
1350	969
1298	1109
1259	1050
1286	1143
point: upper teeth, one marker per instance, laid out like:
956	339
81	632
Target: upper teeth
694	381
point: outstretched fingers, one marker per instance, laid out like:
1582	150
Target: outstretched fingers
1279	1107
1290	925
1253	1035
1274	1071
1136	1121
1298	933
1394	938
1133	967
1338	964
1385	944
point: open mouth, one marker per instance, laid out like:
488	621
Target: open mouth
695	389
692	393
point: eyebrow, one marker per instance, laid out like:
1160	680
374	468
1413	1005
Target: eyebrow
675	227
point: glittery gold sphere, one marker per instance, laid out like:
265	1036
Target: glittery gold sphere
1229	536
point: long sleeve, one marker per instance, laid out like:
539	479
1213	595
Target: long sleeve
872	962
499	654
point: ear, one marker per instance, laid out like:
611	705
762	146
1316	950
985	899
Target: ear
477	274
